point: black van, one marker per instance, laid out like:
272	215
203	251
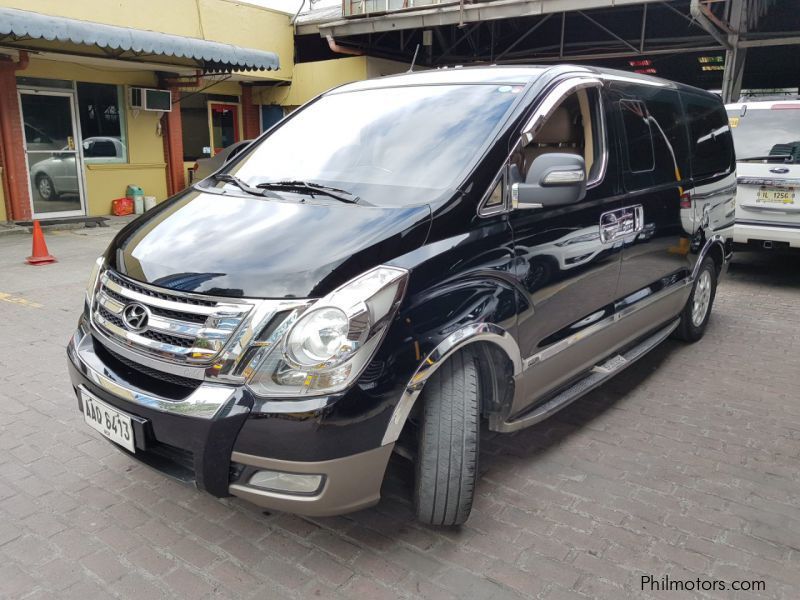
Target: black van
396	262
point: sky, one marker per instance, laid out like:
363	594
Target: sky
291	6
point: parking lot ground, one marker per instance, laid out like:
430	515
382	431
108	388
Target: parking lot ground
686	466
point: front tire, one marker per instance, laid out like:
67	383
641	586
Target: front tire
447	457
695	315
46	188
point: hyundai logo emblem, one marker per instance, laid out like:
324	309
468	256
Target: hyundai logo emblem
135	316
780	170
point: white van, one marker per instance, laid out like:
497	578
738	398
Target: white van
767	140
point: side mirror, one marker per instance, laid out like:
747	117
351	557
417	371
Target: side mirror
554	179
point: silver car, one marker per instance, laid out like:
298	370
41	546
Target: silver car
58	174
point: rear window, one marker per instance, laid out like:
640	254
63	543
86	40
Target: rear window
762	132
710	136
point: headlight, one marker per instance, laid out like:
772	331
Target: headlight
318	337
324	350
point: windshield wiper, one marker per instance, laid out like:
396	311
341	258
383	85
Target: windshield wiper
781	157
244	186
312	188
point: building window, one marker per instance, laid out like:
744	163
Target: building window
194	121
102	123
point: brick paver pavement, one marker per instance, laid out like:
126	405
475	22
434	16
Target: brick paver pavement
684	466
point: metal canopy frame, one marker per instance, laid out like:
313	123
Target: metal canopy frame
540	31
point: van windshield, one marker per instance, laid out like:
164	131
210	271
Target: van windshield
388	146
767	134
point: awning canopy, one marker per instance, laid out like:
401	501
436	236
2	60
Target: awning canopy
35	31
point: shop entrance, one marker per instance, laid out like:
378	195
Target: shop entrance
53	156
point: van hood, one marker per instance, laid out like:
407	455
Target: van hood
262	248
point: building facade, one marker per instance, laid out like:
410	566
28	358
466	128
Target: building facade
80	117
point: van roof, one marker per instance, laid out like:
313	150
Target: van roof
452	75
500	74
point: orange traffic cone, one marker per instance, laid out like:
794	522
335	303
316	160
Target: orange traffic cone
40	254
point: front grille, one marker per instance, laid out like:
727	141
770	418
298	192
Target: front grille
185	382
180	327
165	338
160	383
162	312
148	291
111	318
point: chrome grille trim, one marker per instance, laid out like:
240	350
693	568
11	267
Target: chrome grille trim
139	340
152	362
233	309
209	334
158	323
169	338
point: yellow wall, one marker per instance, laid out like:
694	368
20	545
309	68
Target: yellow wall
223	21
312	78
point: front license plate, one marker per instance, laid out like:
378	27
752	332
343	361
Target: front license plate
113	424
768	195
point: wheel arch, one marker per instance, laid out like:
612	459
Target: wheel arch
715	248
489	338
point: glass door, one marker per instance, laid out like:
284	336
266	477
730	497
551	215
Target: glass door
53	155
224	123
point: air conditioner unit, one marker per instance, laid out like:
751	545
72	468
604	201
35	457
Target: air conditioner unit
150	99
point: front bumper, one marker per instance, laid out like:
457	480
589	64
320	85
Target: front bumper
193	436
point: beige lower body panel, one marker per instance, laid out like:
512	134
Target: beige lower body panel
351	483
543	377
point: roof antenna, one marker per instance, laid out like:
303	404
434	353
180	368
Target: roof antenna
413	60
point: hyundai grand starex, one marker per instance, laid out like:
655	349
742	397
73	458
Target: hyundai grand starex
397	263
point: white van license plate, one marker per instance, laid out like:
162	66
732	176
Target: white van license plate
769	195
115	425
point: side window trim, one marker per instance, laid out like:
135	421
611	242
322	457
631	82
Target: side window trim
498	181
603	135
551	101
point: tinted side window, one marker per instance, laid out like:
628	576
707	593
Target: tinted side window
653	137
669	136
710	136
638	136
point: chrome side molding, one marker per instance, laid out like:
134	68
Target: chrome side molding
598	375
493	333
714	239
469	334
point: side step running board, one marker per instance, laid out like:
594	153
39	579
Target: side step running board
595	377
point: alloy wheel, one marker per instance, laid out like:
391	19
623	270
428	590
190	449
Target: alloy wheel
45	187
702	298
